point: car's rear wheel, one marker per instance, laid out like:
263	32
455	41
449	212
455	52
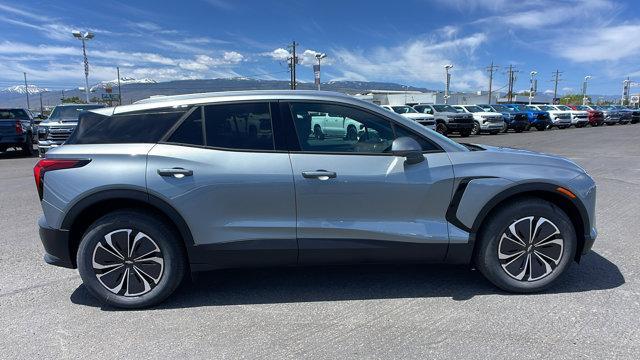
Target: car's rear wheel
27	147
526	245
129	259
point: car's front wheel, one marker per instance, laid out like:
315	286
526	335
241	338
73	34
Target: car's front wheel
441	128
129	259
526	245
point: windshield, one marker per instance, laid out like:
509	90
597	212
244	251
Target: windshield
474	109
444	108
547	108
403	109
70	113
563	107
502	108
582	107
10	114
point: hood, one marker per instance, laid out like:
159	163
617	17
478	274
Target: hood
531	157
417	116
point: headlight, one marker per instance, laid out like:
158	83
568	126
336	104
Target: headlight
42	130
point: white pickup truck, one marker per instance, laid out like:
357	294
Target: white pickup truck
561	119
407	111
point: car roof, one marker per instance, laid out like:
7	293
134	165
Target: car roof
227	96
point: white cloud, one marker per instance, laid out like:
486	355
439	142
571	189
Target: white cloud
279	54
9	47
415	61
609	43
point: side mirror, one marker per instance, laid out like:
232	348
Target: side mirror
408	148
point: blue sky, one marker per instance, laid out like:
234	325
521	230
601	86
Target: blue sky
407	42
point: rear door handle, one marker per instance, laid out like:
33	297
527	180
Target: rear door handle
175	172
319	174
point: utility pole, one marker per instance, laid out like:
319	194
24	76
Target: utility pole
62	100
26	88
556	79
41	107
448	82
119	90
293	61
511	77
533	85
491	69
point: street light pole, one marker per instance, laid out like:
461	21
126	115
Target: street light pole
446	90
532	85
119	90
584	89
84	37
319	56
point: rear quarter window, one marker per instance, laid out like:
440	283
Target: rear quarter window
133	127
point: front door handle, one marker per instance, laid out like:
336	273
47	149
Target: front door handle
319	174
175	172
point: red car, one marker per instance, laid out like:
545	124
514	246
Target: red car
596	117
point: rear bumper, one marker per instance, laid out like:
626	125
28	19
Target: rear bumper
8	140
56	245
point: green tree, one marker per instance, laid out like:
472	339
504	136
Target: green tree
73	100
573	99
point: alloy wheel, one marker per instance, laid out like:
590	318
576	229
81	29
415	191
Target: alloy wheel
128	262
530	248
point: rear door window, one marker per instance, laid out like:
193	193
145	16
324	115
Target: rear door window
133	127
241	126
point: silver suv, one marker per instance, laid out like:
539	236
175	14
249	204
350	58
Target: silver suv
141	194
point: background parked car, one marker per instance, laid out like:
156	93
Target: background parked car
484	121
448	120
627	114
611	116
63	120
16	130
538	119
407	111
515	120
561	119
579	118
596	117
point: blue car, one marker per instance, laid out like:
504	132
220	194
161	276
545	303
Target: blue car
537	119
518	121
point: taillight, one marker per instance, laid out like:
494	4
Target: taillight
19	129
45	165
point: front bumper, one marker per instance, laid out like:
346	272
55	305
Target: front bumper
459	126
489	126
561	122
56	245
46	145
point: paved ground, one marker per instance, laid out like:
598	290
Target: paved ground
354	312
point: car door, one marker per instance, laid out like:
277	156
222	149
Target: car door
356	202
219	169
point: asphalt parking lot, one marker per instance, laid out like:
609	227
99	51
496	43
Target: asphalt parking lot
344	312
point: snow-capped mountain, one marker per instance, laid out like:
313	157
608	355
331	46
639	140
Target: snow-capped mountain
123	81
19	89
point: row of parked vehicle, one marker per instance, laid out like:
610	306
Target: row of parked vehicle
20	130
495	118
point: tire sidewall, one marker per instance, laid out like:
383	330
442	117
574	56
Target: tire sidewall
487	256
173	258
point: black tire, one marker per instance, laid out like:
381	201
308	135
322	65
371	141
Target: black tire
352	133
519	130
442	129
465	133
163	264
541	127
27	148
494	132
559	248
476	128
